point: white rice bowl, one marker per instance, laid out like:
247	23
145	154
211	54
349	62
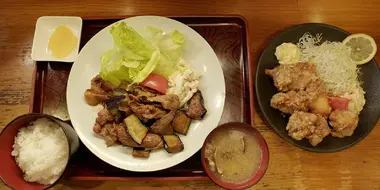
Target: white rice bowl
41	151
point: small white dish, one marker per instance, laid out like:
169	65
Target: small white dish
45	27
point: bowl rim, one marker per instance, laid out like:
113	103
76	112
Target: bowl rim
257	176
55	120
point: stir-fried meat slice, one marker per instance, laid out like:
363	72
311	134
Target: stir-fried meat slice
97	128
134	98
152	141
169	101
142	91
292	77
163	125
104	116
112	129
146	111
301	125
98	84
195	106
94	97
124	137
308	125
343	122
319	102
126	109
290	102
322	129
109	133
104	132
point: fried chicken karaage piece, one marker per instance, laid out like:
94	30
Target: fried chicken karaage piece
319	102
322	129
343	122
290	102
308	125
314	98
292	77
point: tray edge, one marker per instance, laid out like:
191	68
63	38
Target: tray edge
249	82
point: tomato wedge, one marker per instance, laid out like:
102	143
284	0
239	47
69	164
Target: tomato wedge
338	103
156	82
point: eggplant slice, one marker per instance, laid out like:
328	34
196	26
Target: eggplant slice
114	101
129	110
181	122
135	128
195	106
140	153
173	144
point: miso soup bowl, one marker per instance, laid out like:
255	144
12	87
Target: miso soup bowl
264	156
10	173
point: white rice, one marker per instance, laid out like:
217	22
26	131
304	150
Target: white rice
41	151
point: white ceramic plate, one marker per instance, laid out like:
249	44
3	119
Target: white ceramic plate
197	52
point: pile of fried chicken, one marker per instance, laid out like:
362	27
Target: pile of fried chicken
140	117
303	95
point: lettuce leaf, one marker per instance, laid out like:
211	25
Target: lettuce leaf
134	57
165	67
148	68
127	39
171	48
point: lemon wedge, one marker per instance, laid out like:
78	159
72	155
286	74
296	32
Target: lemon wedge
363	47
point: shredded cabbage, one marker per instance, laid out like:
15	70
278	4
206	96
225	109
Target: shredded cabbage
335	67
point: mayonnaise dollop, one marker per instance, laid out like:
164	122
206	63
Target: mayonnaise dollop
288	53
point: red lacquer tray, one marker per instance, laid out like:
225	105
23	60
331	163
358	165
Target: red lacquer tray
227	35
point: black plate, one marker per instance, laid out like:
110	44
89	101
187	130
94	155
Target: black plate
265	90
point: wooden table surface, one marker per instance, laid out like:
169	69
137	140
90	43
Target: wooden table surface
290	167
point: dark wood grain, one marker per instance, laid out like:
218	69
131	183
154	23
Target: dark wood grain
226	35
289	167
